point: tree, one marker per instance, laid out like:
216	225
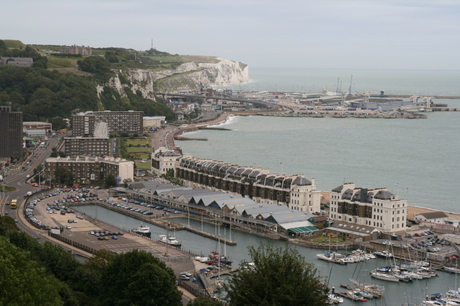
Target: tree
126	181
23	281
63	175
139	278
202	301
279	277
38	169
170	176
110	181
58	123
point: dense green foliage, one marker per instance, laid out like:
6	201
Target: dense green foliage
63	175
110	181
41	94
202	301
49	95
279	277
99	66
23	281
135	279
44	274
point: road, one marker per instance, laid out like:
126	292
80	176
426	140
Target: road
19	177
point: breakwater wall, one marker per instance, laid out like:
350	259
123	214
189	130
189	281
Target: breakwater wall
445	109
348	115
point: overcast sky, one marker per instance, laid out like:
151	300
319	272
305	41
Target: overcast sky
401	34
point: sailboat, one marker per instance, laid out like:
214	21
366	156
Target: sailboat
216	257
374	290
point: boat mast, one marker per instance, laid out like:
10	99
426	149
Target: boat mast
349	88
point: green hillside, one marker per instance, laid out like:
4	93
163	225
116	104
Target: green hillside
54	87
14	44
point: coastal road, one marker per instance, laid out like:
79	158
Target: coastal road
166	135
159	137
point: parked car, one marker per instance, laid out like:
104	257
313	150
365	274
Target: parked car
186	274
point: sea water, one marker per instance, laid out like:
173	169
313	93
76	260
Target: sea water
415	159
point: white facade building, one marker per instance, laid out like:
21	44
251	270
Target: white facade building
378	207
153	122
304	196
163	160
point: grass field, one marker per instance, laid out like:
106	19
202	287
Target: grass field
167	59
146	166
14	44
199	59
141	155
8	188
325	239
136	142
138	150
62	62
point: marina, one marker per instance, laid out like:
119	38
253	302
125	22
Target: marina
414	291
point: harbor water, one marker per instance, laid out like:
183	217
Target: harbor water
396	293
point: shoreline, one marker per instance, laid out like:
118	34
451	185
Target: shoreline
192	127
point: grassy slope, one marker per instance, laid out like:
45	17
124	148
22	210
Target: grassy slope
14	44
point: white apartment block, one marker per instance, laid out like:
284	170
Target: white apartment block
377	207
304	196
164	160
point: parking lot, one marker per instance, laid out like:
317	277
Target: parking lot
422	242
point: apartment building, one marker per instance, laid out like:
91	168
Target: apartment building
90	146
377	207
118	122
297	192
91	169
11	144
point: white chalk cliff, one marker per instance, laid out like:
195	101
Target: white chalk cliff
187	76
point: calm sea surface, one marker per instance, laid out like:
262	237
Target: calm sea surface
415	159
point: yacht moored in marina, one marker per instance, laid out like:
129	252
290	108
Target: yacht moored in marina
143	230
384	276
383	254
170	240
